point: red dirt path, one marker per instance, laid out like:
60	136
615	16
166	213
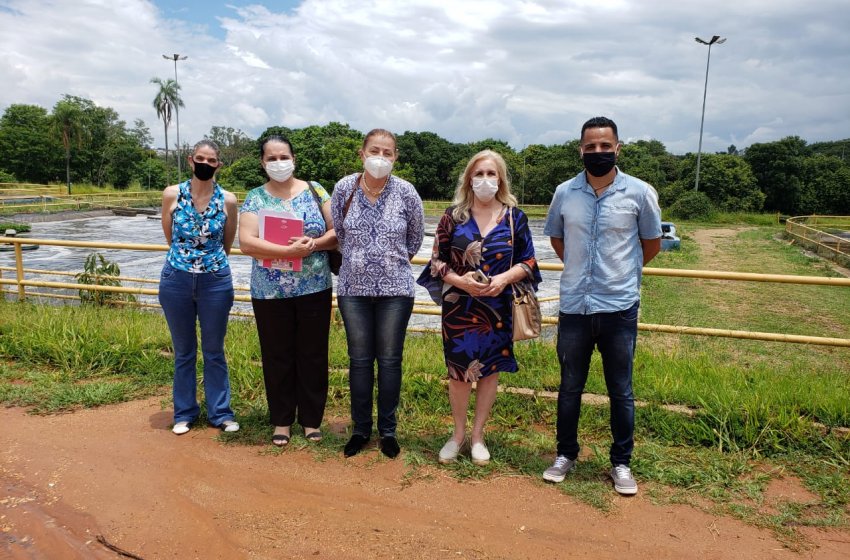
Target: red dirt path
119	472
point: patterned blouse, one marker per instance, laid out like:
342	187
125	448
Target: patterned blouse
197	240
377	240
315	275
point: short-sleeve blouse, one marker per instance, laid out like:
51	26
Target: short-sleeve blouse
315	274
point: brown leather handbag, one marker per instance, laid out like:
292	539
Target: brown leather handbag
526	308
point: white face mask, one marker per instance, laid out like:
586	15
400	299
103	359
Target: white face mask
280	170
377	166
485	189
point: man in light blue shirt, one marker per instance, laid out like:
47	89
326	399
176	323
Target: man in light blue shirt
605	226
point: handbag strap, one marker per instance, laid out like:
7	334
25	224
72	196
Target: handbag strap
513	246
350	197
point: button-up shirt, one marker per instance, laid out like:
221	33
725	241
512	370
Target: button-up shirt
603	257
377	239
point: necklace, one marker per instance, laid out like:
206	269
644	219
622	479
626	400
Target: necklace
596	191
375	193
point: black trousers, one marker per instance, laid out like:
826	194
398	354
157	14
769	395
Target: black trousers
294	345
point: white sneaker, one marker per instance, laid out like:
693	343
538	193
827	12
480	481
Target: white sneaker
480	454
624	482
230	426
180	428
448	454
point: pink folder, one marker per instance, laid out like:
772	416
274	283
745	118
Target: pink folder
279	228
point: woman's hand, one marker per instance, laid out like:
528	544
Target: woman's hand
497	285
470	285
302	246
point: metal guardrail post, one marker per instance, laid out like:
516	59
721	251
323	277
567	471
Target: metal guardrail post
19	267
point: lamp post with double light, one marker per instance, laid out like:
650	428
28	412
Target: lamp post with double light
715	40
175	57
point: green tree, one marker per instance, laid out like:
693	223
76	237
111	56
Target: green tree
68	123
778	168
538	170
27	149
432	159
243	174
826	186
151	172
141	134
233	143
727	180
166	101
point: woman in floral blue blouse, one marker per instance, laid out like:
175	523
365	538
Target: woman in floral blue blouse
292	308
199	223
380	225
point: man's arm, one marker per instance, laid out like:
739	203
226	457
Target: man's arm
650	247
558	246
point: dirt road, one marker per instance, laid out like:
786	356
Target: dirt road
120	473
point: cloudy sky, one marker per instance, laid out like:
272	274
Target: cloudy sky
523	71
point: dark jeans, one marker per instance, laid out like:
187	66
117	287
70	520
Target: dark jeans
375	328
294	345
188	299
615	334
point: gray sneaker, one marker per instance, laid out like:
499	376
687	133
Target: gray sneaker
559	469
624	482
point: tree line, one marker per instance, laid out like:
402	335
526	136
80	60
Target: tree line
78	141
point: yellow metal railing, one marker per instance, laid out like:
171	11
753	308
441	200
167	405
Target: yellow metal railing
420	307
807	230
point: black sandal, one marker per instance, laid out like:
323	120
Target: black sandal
280	440
315	436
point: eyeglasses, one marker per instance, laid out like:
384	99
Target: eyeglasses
202	159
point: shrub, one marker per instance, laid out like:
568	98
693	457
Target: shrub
100	272
692	205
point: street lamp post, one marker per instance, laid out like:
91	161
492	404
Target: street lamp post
175	57
714	40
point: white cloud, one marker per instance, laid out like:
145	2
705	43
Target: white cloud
524	71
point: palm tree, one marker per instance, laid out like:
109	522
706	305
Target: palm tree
68	122
166	101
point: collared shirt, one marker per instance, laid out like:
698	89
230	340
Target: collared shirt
603	257
377	239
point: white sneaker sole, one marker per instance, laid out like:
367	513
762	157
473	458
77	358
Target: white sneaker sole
553	477
625	491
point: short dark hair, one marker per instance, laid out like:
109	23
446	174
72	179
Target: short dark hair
600	122
274	138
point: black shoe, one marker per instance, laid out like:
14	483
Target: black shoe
389	447
354	445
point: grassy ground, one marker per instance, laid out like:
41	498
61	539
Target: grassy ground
760	410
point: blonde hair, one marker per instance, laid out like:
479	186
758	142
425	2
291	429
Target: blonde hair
464	196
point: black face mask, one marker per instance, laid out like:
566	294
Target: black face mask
599	164
204	171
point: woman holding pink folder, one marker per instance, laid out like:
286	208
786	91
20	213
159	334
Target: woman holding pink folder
291	297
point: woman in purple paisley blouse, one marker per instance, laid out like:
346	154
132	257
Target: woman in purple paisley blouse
379	223
475	260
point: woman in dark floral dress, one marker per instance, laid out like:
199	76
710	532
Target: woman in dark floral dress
473	265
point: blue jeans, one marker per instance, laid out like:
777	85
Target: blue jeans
615	334
375	328
205	298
